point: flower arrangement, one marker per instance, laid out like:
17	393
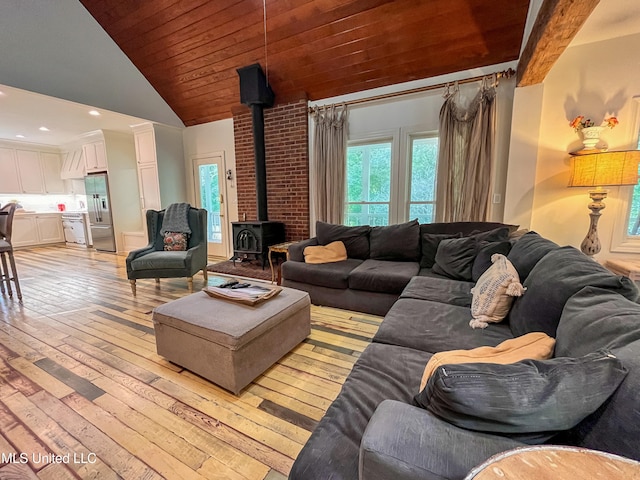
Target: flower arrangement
579	123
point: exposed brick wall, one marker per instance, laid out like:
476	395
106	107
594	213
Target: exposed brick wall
287	151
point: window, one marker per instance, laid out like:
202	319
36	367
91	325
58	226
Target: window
368	192
633	220
626	231
424	167
386	184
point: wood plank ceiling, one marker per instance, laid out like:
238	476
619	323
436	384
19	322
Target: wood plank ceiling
189	50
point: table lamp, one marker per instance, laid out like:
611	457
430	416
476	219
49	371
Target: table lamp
604	169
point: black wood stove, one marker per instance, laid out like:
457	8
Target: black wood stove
255	237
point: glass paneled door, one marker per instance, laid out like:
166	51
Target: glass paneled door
209	179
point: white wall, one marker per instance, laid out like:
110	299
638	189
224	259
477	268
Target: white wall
595	80
209	138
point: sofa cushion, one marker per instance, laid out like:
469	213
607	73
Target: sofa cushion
527	251
395	242
332	252
382	275
332	275
405	442
595	318
429	245
499	234
615	426
483	259
442	290
382	372
355	239
494	292
537	398
454	258
433	327
535	346
465	228
160	260
556	277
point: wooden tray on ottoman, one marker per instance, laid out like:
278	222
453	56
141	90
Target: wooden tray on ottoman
227	342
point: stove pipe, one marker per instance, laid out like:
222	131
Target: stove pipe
256	93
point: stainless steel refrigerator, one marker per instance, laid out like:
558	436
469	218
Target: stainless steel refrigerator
99	208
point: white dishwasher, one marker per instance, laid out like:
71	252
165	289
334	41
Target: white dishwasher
75	230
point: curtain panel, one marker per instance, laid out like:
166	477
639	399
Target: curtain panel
466	138
329	162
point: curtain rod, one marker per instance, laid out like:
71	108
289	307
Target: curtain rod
503	74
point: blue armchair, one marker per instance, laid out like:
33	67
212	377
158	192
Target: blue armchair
153	261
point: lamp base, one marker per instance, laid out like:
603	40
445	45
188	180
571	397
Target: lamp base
591	244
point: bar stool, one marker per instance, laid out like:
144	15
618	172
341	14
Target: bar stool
8	272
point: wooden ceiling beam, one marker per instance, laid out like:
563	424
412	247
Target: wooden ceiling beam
557	23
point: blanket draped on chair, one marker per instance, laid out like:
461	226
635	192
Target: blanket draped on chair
176	219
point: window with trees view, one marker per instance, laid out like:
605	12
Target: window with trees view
384	186
633	221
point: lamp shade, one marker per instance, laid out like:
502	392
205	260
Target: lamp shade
605	169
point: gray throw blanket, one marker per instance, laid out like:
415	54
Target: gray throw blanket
176	219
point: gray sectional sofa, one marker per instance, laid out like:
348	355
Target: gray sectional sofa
381	261
376	429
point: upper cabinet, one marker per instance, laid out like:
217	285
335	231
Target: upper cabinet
161	166
52	170
10	178
30	171
95	157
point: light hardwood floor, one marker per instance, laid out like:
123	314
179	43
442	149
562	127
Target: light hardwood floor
79	376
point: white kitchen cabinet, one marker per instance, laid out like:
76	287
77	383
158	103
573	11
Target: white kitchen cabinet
51	168
25	231
95	157
49	228
10	178
149	187
30	171
145	147
161	167
37	229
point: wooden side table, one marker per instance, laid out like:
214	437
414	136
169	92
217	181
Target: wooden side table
555	462
278	248
629	267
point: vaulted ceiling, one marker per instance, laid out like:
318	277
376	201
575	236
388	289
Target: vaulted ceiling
189	50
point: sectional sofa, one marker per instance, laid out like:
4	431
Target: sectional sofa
382	426
382	260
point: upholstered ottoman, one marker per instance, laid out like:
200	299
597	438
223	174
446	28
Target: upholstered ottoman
229	343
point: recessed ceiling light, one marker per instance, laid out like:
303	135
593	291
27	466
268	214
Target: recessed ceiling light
20	136
44	129
95	113
2	94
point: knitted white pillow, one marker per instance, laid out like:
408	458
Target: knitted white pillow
494	292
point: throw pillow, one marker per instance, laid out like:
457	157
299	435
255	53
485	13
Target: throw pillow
557	276
535	346
466	228
399	242
530	400
454	258
483	260
494	292
527	251
333	252
355	239
429	244
495	235
175	241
